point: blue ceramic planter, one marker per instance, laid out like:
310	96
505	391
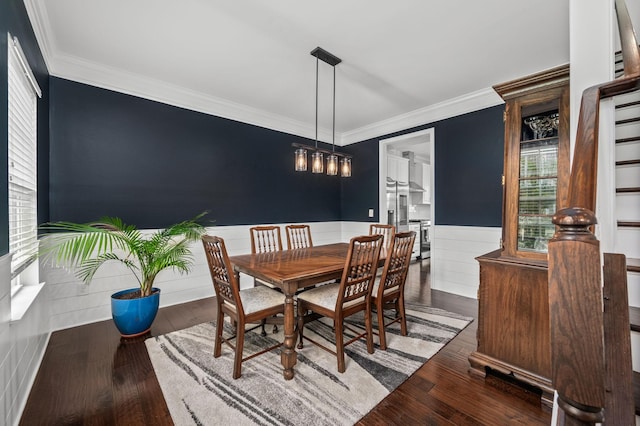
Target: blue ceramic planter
134	317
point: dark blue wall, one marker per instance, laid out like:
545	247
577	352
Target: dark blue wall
360	191
468	168
153	164
14	19
469	163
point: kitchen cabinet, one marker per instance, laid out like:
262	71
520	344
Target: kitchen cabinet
398	168
513	300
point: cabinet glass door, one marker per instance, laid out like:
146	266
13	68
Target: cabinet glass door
538	180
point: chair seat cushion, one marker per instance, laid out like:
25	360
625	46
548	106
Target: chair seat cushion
325	295
256	299
376	286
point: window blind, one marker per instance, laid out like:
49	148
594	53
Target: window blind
22	160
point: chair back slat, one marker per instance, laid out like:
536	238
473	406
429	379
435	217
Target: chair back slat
396	264
224	281
298	236
387	231
265	239
360	267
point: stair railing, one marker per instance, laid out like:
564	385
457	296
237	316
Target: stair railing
579	307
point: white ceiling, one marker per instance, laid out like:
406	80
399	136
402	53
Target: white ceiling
249	60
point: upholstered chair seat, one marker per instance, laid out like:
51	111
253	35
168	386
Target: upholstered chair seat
256	299
325	296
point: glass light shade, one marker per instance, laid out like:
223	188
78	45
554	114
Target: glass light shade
345	167
332	165
317	161
301	160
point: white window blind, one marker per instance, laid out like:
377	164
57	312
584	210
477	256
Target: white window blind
23	94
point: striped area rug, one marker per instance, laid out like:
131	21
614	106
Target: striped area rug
199	389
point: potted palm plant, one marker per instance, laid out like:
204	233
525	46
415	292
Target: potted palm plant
84	248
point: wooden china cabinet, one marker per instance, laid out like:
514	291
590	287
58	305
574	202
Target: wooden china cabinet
513	306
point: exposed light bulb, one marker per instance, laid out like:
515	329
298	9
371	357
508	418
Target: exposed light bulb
317	162
345	167
332	165
301	160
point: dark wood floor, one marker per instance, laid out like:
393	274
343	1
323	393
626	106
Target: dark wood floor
89	376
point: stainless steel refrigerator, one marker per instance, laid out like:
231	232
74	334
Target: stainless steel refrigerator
398	204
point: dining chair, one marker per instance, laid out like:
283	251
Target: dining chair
298	236
352	294
387	231
265	239
389	290
251	305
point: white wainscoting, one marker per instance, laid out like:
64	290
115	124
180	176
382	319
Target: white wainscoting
22	346
453	252
73	303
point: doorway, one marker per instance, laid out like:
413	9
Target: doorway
418	150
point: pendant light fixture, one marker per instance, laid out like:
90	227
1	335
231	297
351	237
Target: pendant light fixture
301	160
316	157
317	160
345	167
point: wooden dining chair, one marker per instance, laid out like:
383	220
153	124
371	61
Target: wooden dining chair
251	305
352	294
389	290
298	236
387	231
265	239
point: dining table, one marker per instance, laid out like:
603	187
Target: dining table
291	271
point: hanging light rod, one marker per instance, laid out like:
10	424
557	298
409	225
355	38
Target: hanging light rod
324	151
325	56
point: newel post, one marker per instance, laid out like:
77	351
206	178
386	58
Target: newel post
575	309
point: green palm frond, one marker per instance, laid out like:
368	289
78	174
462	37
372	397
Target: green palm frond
88	269
86	247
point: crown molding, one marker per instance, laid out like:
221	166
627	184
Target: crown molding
40	23
98	75
470	102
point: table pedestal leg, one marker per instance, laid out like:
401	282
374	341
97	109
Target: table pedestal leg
288	356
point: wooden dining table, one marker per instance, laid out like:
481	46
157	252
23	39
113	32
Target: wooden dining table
290	271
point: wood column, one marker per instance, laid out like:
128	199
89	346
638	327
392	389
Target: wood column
576	318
